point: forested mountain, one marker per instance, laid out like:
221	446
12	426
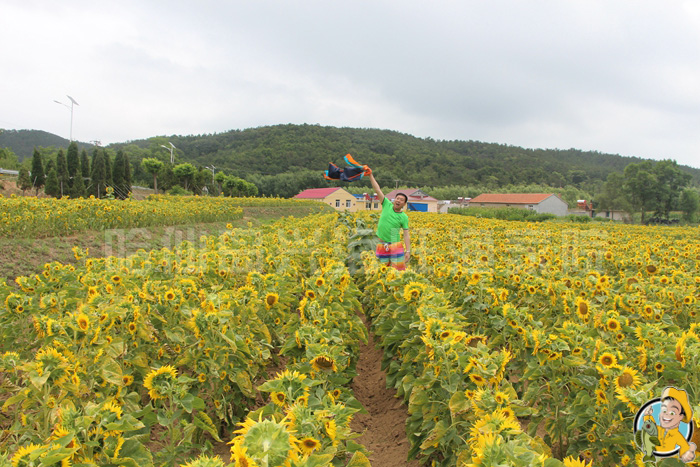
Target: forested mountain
23	142
268	154
273	150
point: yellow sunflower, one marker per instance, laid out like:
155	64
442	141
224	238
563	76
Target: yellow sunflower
164	375
22	454
582	308
477	379
83	322
628	378
308	445
239	457
279	398
271	299
607	359
572	461
323	363
612	324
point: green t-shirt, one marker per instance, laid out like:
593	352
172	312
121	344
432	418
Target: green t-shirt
391	223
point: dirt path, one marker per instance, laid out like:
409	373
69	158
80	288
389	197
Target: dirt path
384	427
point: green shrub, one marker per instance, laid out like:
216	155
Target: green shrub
508	214
177	190
579	218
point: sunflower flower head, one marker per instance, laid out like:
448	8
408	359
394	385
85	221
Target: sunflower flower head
161	382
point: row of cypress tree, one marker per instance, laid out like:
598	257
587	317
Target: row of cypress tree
76	176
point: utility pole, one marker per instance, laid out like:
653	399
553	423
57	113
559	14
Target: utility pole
172	146
72	103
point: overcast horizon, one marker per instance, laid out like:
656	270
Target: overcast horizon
617	77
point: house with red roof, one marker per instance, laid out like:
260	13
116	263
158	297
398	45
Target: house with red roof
539	202
336	197
417	200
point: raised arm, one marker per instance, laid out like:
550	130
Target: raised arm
375	186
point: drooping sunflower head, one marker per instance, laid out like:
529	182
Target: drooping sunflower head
239	456
413	291
308	445
572	461
114	408
50	360
22	456
323	363
271	299
265	439
160	382
206	461
473	340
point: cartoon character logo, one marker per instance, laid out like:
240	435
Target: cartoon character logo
663	427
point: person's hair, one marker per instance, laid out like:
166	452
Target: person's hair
669	398
402	194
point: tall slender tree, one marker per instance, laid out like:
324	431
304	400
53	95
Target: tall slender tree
62	173
24	181
108	167
84	164
73	161
118	175
78	188
128	178
52	187
98	176
37	174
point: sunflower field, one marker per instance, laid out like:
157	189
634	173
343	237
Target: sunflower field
511	344
41	217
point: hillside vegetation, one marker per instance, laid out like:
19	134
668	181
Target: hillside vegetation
284	159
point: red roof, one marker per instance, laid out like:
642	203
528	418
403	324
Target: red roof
317	193
511	198
412	196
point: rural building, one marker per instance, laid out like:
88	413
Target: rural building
585	208
445	205
335	197
417	200
368	202
538	202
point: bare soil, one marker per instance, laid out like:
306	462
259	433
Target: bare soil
383	428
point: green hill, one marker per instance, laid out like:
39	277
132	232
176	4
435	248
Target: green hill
23	142
282	159
273	150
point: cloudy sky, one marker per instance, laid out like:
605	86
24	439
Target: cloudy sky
615	76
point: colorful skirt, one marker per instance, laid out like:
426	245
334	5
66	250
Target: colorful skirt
391	254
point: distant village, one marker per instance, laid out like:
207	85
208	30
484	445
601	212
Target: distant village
550	203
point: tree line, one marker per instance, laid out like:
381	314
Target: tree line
649	187
284	160
73	174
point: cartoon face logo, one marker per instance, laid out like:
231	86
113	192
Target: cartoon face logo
663	427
